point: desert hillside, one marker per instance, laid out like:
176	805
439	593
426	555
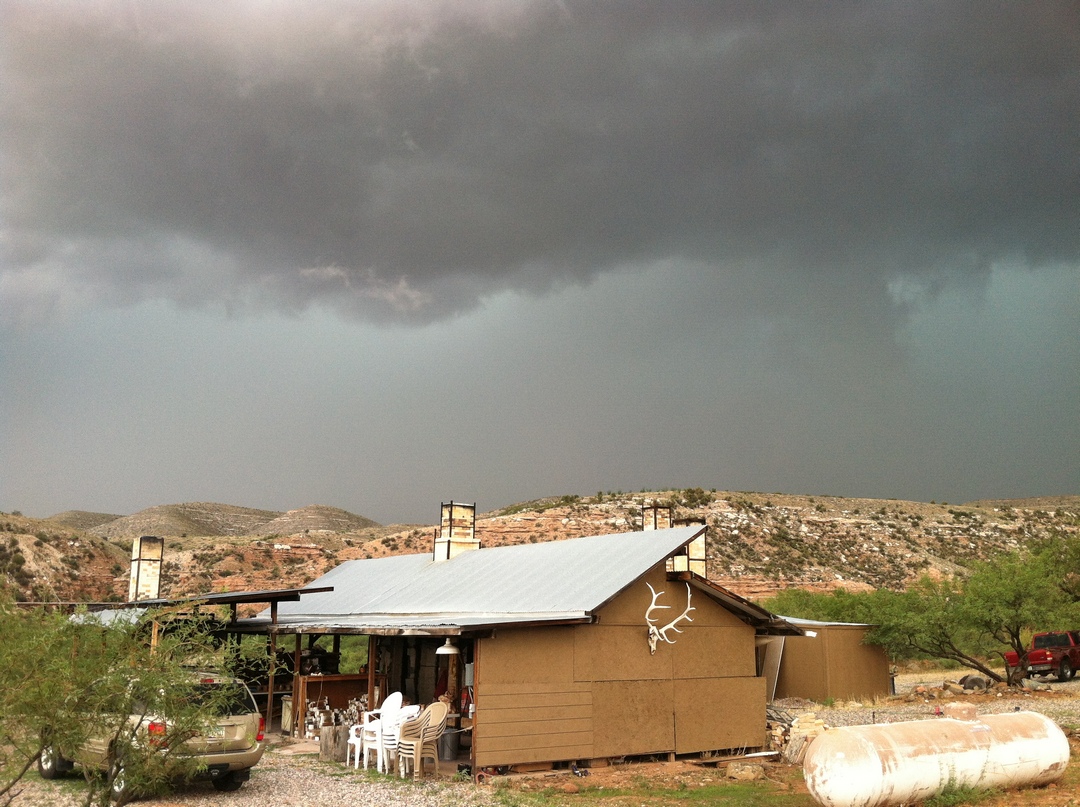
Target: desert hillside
193	518
758	543
42	560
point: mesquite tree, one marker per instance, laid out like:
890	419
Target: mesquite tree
972	618
67	681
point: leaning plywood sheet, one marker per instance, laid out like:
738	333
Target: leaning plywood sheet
804	669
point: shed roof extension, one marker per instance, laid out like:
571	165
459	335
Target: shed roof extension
557	582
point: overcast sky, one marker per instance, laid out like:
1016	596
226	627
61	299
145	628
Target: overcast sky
379	255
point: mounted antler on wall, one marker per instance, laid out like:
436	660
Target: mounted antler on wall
657	634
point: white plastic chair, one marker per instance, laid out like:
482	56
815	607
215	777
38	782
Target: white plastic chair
371	730
356	744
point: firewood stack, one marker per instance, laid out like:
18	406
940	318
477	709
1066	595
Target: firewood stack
791	738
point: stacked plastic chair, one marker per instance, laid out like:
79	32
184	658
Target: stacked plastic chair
419	739
390	731
371	730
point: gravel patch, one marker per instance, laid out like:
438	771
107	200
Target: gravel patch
1061	703
283	780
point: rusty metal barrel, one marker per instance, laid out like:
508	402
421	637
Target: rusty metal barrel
898	763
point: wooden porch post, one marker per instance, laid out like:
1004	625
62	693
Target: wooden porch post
296	705
272	650
453	677
372	649
477	644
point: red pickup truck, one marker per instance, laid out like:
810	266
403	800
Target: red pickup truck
1055	653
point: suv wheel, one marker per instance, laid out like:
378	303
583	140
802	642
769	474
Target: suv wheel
228	783
50	764
1065	670
118	785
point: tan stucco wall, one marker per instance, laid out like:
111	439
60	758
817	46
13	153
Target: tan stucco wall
588	691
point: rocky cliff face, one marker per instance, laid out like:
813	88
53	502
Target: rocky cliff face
47	562
757	543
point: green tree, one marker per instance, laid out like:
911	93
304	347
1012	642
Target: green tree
1011	596
1060	552
836	606
930	619
973	620
69	682
694	498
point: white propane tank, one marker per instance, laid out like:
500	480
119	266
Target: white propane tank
898	763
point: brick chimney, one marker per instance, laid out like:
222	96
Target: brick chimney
692	557
457	531
147	553
656	516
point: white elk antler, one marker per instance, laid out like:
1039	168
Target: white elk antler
657	634
684	615
654	633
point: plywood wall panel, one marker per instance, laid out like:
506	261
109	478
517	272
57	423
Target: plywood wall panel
633	717
533	687
629	607
856	670
493	756
712	652
522	727
528	707
530	656
716	714
536	723
834	664
617	653
556	741
802	668
517	714
707	613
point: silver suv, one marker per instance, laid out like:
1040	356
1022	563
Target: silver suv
225	754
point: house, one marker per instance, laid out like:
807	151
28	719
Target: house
582	649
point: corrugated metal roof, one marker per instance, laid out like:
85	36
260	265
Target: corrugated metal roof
427	624
208	598
814	623
553	581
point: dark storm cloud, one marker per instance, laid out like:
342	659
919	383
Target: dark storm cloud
401	160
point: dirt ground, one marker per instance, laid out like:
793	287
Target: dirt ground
782	780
